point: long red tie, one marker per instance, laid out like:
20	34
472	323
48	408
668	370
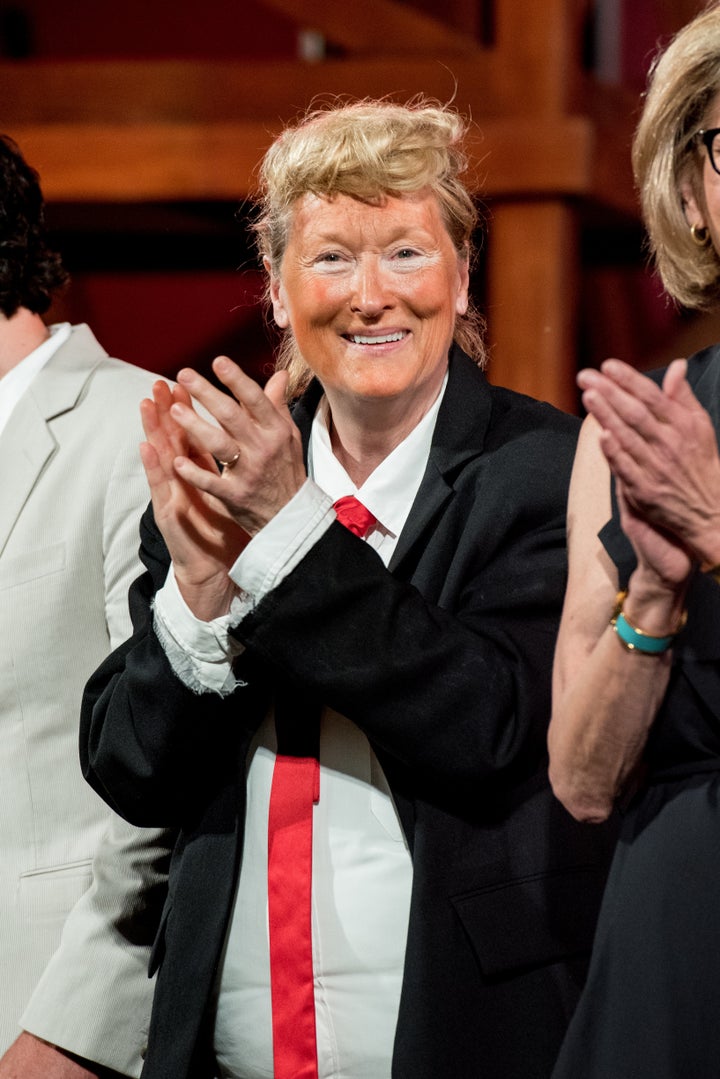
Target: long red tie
295	789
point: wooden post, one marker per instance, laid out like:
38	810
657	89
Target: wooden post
533	274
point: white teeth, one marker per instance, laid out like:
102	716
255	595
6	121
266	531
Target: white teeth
361	339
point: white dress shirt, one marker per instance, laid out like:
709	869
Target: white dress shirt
14	384
362	872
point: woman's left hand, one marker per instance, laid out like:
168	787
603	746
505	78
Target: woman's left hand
255	436
202	539
661	444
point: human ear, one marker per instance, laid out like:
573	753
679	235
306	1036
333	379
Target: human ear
280	313
461	300
691	204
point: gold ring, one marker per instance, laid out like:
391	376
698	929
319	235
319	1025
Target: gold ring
229	464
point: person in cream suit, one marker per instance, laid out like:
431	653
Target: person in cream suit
74	1001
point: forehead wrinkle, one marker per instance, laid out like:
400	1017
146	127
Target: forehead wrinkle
363	219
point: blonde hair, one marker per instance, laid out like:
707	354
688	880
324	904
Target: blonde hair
368	150
684	81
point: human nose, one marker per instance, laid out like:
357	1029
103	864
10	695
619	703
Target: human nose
370	295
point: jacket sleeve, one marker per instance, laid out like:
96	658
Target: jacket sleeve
149	745
449	679
94	996
455	695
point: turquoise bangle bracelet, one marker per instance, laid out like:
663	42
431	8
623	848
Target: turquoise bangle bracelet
637	641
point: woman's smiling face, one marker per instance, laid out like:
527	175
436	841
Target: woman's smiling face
371	292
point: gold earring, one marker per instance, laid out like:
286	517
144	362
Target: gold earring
700	235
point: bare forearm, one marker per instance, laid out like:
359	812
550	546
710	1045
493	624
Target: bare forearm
31	1058
600	725
606	701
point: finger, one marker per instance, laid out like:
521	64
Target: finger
202	479
677	387
635	404
222	411
674	377
151	463
158	480
154	428
635	388
213	401
624	463
276	391
203	439
260	407
612	412
165	396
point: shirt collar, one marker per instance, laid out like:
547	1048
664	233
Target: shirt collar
390	490
14	384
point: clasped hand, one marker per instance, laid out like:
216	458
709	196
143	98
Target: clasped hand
661	446
207	513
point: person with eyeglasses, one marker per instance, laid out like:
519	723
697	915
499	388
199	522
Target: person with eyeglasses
636	714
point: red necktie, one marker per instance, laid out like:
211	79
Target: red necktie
295	789
351	513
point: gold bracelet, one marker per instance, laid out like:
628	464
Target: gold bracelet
714	572
637	640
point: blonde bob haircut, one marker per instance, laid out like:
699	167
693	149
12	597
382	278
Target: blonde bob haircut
367	150
683	84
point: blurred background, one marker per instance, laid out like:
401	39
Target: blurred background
146	121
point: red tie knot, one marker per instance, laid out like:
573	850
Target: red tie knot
356	517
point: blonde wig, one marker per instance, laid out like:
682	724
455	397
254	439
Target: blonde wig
367	150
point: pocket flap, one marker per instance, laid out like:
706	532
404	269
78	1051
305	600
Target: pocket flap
534	921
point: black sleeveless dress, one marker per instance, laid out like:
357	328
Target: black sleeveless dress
651	1005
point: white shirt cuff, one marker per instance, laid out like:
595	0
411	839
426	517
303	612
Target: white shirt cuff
276	549
200	653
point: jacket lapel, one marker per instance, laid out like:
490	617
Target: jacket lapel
27	443
458	438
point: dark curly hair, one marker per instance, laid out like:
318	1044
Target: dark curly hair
29	270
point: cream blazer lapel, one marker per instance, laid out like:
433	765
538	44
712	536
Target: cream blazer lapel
27	443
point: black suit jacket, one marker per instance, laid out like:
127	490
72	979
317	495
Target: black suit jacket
443	660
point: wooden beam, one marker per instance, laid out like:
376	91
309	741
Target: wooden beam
555	157
171	161
376	26
144	162
133	91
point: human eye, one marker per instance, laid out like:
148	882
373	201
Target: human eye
406	258
329	260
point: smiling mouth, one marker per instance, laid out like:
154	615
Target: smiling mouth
375	339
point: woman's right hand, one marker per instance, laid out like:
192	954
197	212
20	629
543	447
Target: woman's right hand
659	554
202	538
661	445
648	436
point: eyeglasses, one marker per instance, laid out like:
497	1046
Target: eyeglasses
711	142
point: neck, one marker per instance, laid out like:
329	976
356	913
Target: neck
363	435
20	335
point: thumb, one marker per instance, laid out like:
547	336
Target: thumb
675	383
276	391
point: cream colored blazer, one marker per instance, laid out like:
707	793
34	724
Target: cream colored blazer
72	490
